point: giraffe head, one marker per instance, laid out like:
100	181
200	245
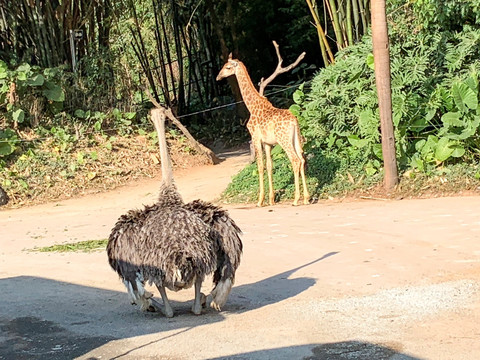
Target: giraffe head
229	68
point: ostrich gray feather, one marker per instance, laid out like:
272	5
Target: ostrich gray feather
226	230
167	244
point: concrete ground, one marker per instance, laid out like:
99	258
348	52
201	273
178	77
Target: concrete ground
334	280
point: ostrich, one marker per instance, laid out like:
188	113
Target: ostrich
174	245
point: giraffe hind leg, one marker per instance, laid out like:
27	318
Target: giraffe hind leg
268	158
259	155
299	153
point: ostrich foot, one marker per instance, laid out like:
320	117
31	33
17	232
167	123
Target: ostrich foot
168	312
199	305
197	310
155	306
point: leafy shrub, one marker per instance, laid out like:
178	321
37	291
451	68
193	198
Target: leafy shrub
37	92
446	14
434	99
8	140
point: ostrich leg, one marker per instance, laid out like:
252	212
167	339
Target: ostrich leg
168	312
155	306
199	297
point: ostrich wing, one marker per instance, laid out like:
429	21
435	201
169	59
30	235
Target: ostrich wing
223	226
122	243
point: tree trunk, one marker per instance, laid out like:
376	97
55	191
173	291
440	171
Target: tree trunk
381	55
242	110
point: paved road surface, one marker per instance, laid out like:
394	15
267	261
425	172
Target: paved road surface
352	280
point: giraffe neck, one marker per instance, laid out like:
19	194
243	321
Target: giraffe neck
251	97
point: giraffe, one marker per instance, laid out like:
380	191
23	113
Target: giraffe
269	126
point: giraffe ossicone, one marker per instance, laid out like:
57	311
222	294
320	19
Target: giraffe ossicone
269	126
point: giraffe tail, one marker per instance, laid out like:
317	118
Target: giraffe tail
298	141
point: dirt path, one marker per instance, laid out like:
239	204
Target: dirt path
353	280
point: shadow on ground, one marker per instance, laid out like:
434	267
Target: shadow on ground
355	350
271	290
48	319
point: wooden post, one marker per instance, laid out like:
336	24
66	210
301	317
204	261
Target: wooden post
381	56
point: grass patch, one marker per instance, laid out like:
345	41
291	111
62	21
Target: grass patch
82	246
330	175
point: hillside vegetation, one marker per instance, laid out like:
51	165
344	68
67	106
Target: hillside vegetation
435	65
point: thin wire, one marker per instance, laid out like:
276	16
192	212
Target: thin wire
210	109
179	117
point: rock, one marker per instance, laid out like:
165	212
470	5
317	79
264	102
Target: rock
3	197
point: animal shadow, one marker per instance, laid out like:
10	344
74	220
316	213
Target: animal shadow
270	290
61	320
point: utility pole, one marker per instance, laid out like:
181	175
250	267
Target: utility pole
381	55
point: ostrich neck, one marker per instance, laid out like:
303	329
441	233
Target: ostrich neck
251	97
158	118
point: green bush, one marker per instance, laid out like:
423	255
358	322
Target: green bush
38	93
434	99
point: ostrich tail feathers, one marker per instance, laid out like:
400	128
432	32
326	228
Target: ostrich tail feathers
220	293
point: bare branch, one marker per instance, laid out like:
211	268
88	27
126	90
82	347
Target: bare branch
279	70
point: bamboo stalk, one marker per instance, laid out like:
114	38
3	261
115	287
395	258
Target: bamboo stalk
178	49
161	52
336	25
35	30
323	50
349	26
167	53
363	16
342	21
368	15
356	19
202	42
53	34
193	73
321	32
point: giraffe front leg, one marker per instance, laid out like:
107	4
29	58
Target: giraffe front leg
268	157
259	154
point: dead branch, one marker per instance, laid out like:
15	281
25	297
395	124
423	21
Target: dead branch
201	149
279	70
